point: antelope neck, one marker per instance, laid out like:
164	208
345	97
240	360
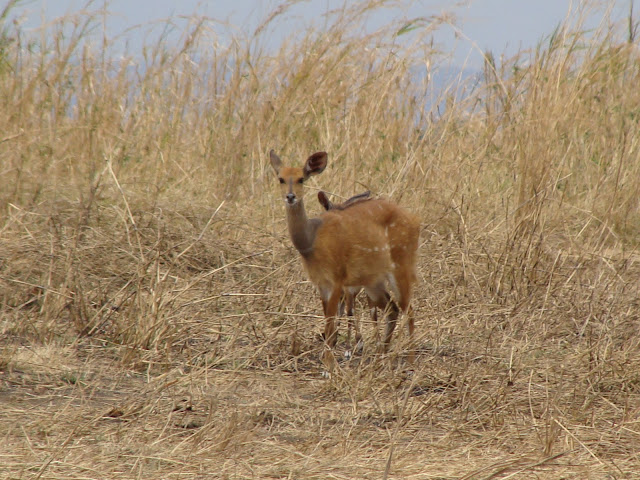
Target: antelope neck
301	229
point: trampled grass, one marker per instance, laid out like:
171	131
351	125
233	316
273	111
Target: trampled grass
150	298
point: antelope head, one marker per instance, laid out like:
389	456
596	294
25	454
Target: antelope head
292	178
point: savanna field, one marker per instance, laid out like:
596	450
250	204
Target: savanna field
155	319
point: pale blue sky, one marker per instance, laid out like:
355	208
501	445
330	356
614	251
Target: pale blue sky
502	26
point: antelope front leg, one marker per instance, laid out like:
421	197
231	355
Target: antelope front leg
349	300
330	313
330	307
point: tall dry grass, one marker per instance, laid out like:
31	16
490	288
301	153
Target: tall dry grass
149	292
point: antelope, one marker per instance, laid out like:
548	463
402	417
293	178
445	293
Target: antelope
370	244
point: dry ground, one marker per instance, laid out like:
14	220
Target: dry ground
547	388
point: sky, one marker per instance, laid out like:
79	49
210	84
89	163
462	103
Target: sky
501	26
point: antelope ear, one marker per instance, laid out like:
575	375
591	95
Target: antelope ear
324	200
315	164
276	163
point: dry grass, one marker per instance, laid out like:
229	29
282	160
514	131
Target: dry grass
149	294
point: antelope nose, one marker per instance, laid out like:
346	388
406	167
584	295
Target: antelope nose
290	198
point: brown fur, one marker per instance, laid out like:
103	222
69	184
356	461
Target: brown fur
347	303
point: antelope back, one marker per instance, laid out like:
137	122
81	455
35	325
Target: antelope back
364	243
327	204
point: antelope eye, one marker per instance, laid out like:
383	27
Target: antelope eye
281	180
301	180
